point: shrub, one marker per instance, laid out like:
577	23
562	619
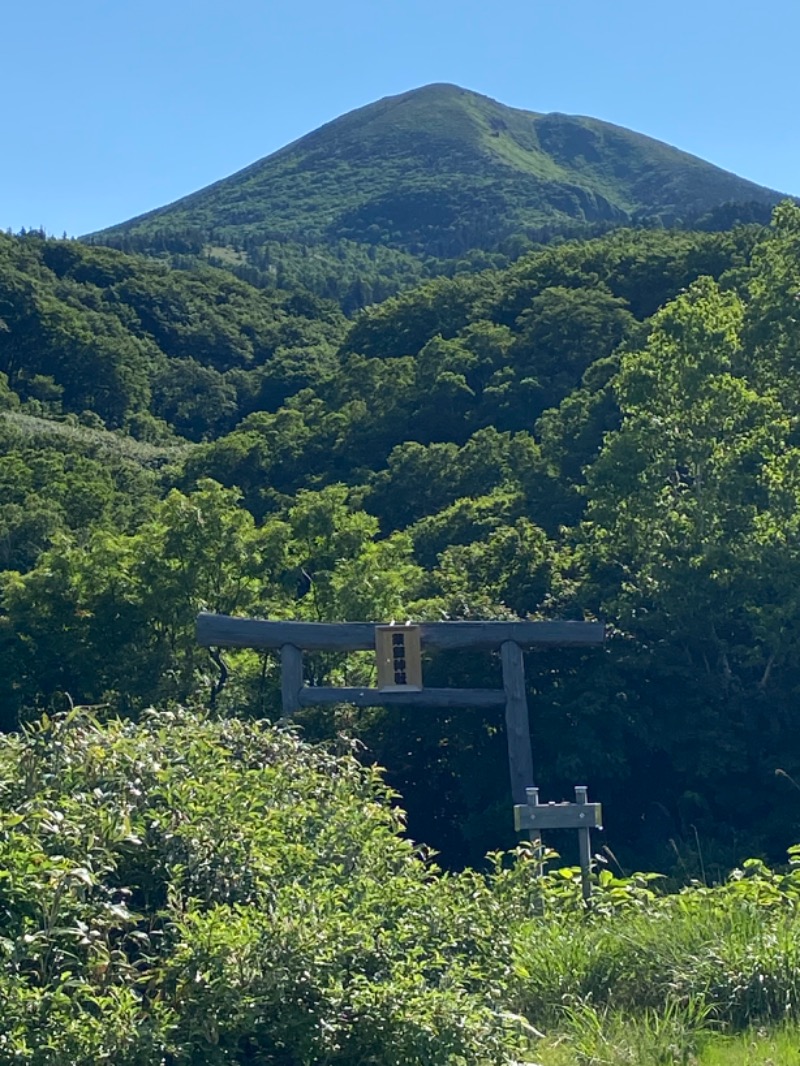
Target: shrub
187	891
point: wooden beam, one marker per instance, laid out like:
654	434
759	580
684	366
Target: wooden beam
427	697
222	631
291	678
518	733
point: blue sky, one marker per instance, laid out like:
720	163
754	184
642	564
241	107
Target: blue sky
113	107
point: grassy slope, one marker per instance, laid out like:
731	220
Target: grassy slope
440	169
47	432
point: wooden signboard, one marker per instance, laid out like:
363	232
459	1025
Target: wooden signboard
398	655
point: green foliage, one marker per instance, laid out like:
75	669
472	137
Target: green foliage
112	617
361	207
196	890
192	891
606	428
89	329
725	956
57	477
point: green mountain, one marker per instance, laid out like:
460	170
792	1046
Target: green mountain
435	172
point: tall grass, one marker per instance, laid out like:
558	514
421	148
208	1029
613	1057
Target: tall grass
641	978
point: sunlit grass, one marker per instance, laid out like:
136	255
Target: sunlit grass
637	1042
757	1047
47	430
706	976
731	953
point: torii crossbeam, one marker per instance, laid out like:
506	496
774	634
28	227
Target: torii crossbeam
293	638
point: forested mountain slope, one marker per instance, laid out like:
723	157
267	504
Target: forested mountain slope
607	428
150	349
368	202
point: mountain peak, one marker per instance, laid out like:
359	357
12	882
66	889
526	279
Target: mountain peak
440	169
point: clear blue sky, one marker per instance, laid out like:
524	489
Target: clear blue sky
113	107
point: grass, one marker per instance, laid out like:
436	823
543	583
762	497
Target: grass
707	976
753	1048
642	1043
102	440
733	950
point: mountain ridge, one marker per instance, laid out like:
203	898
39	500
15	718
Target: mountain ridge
434	173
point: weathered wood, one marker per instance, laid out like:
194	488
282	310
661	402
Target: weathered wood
291	677
585	842
427	697
223	631
559	816
518	734
580	815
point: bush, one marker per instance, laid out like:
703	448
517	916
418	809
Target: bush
187	891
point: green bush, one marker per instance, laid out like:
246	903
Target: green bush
185	890
189	891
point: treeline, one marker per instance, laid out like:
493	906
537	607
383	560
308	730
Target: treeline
352	274
605	428
366	267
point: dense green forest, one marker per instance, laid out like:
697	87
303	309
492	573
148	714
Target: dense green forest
604	428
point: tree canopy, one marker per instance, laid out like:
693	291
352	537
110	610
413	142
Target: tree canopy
605	428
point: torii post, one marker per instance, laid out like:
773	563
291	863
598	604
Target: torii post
291	639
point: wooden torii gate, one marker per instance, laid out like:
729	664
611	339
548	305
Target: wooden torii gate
291	639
